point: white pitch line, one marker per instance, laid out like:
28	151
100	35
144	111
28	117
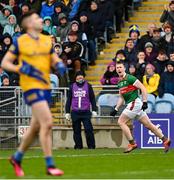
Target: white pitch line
84	155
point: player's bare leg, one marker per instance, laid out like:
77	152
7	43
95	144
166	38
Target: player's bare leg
123	119
149	125
28	138
29	135
42	113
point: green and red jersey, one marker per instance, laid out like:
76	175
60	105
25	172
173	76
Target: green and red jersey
127	89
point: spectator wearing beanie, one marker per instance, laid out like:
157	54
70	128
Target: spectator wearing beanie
25	7
134	34
47	8
147	37
150	54
151	80
73	51
10	27
160	62
6	12
110	77
58	8
166	84
82	38
63	28
140	65
7	41
48	27
168	14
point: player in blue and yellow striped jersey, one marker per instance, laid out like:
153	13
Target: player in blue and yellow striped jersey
36	57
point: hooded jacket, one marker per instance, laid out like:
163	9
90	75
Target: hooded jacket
10	28
4	19
110	78
166	84
50	29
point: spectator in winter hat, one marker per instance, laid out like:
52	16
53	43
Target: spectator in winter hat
110	76
166	84
134	34
10	27
151	80
150	54
7	41
25	7
63	27
58	8
6	12
49	27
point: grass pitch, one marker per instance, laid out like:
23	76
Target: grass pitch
96	164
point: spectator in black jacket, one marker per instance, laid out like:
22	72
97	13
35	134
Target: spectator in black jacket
106	7
96	19
166	84
157	41
85	27
147	37
58	8
160	62
73	51
130	51
168	14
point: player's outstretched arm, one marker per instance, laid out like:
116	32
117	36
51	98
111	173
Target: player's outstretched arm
7	63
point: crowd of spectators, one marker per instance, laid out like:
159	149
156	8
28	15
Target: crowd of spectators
78	28
149	57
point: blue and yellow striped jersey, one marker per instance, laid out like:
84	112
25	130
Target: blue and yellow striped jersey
36	52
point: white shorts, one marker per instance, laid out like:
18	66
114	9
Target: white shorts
133	109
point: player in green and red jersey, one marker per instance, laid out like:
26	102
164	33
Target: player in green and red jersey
128	90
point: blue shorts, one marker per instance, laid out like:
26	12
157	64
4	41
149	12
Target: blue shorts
36	95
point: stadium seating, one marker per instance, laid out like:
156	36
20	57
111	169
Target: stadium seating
106	103
151	103
164	104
